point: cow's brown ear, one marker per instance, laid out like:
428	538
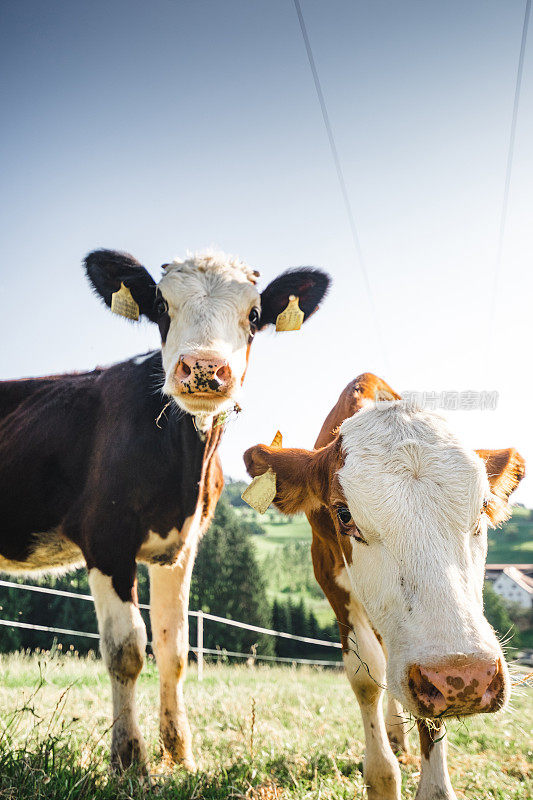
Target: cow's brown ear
302	476
505	470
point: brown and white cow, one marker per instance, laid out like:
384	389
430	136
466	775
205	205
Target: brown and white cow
95	469
399	510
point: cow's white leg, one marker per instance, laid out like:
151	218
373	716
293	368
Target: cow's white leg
169	606
434	779
396	726
365	667
123	643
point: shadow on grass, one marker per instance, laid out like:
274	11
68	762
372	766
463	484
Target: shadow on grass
53	771
49	763
45	758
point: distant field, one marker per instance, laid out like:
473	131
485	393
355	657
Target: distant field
278	565
295	529
259	734
513	543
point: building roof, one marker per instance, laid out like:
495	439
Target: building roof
524	581
501	567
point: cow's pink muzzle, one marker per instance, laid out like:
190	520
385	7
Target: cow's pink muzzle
457	686
201	376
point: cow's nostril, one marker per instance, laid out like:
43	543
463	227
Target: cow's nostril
223	374
495	693
425	691
183	370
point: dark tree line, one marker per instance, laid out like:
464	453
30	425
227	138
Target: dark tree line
227	581
297	619
49	610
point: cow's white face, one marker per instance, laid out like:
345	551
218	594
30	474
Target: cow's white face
208	310
404	507
213	310
417	499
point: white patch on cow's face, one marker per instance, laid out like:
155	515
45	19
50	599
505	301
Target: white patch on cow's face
416	494
209	299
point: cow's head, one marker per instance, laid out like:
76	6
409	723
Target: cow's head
208	310
406	507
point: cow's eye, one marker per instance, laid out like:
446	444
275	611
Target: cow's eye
161	307
344	516
253	316
347	525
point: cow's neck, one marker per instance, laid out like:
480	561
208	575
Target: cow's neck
203	424
206	422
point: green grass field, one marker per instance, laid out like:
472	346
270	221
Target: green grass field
261	734
291	529
286	570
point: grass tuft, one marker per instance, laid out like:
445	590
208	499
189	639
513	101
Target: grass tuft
268	733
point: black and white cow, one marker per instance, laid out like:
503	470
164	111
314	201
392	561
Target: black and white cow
92	471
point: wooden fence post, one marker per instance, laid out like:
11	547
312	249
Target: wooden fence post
200	644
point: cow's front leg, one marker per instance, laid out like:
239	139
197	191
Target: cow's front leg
169	607
434	779
365	667
396	726
123	643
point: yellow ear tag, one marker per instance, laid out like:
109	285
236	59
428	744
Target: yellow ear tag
122	303
291	319
262	490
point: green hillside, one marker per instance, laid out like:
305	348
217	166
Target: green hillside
284	554
513	542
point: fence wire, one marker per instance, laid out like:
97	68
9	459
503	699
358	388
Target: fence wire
199	651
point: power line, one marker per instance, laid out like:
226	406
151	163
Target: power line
508	171
340	175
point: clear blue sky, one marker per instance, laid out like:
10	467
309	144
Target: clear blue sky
165	126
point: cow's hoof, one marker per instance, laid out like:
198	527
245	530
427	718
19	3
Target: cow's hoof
189	764
437	793
430	791
129	752
170	762
398	742
176	742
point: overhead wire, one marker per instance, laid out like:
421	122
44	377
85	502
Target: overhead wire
508	174
341	179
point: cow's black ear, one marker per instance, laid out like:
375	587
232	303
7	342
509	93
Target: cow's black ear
308	284
107	269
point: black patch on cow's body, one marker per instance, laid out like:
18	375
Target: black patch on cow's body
83	454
